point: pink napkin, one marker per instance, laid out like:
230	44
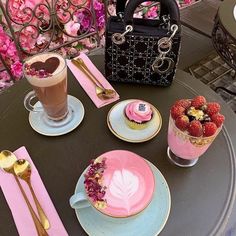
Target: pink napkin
19	209
87	85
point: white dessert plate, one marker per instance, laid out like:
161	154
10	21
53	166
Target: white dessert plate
117	125
235	12
149	222
42	125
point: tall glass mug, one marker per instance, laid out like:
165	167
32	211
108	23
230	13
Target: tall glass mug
47	74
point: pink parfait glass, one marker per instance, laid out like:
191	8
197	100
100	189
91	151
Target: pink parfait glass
183	149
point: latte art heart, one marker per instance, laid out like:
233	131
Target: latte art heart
124	184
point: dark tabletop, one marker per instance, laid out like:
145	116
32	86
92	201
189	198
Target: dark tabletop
202	196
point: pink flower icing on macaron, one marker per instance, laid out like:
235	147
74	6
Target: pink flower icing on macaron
139	111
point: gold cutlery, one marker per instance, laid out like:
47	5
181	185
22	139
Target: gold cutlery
101	92
7	160
23	170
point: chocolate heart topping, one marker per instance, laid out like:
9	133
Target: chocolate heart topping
50	65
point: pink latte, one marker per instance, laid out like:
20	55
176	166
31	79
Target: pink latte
126	183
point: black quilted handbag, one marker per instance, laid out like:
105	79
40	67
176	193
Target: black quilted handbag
143	51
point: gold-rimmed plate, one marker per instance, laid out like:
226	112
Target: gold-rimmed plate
116	124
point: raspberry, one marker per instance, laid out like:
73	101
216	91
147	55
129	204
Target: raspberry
182	122
176	111
209	128
195	128
218	119
185	103
212	108
198	101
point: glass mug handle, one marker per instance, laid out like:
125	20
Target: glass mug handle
79	200
27	102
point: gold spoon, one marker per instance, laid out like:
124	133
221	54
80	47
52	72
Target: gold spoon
23	170
101	92
7	160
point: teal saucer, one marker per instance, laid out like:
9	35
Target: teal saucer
41	124
149	222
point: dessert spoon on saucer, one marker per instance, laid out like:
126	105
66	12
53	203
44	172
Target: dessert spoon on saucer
7	160
101	92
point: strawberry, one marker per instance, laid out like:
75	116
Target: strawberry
176	111
185	103
198	102
209	128
212	108
218	119
195	128
182	122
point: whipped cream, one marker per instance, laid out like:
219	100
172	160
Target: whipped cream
57	76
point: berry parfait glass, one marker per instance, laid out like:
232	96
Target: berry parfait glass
193	126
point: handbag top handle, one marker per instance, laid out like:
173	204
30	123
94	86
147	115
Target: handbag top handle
120	8
170	5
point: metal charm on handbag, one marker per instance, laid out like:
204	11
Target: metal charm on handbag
141	50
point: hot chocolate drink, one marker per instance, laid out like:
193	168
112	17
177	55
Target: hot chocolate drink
47	73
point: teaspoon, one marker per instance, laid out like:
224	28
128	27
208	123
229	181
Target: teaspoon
7	160
101	92
23	170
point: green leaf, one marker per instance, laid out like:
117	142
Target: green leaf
79	46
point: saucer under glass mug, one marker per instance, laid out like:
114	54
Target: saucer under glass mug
47	74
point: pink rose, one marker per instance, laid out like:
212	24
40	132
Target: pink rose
98	6
11	51
187	1
54	44
152	12
5	80
16	9
5	41
11	58
4	76
27	38
62	16
42	39
146	3
16	69
72	28
84	17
